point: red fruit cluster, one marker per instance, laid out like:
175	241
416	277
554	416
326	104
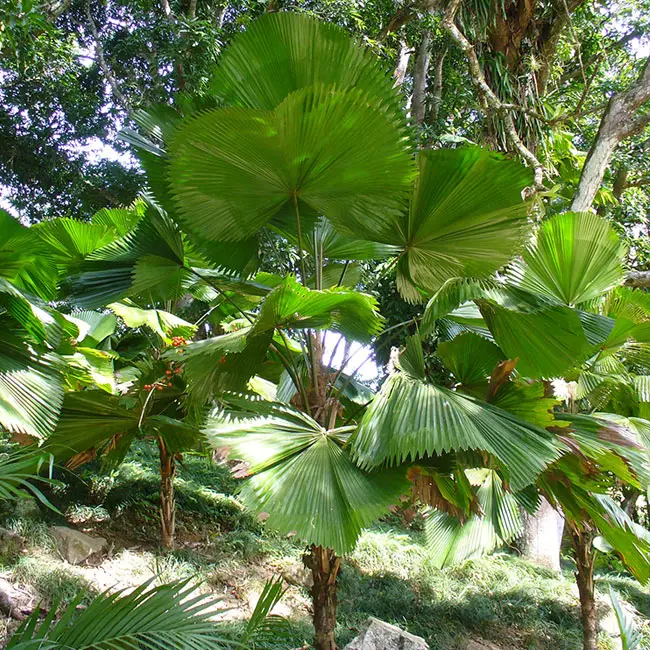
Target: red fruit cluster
178	341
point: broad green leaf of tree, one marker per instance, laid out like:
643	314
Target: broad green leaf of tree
546	337
148	260
452	541
291	305
631	636
25	261
546	344
221	363
161	322
322	150
302	476
574	257
471	358
21	472
31	387
280	53
411	419
466	217
95	420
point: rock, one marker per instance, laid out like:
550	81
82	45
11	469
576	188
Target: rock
75	546
10	544
377	635
7	603
26	508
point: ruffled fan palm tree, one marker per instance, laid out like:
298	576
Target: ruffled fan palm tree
558	312
303	148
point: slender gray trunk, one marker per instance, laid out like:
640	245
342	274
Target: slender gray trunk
420	77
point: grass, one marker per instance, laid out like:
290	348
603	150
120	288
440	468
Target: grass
500	598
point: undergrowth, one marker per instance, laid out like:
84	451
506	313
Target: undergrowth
389	576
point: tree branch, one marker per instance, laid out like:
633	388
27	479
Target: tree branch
488	97
402	64
620	121
103	64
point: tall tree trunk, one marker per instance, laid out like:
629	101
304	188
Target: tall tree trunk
619	121
436	94
167	501
324	565
420	76
323	562
542	536
585	556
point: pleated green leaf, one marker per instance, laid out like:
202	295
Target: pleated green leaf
451	541
233	169
291	305
302	476
21	472
71	240
547	343
575	257
31	386
527	401
221	363
161	322
470	357
631	636
25	260
89	419
147	260
280	53
466	216
410	419
580	503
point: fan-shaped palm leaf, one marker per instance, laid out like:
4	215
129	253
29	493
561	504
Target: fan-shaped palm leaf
283	52
164	324
471	358
290	305
411	419
331	151
25	260
575	257
31	387
148	259
20	472
302	476
466	216
452	541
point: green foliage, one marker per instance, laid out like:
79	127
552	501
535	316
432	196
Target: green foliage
630	635
153	618
575	258
466	218
301	475
234	169
433	420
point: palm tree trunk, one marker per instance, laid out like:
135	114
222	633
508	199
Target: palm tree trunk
324	565
585	556
167	501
